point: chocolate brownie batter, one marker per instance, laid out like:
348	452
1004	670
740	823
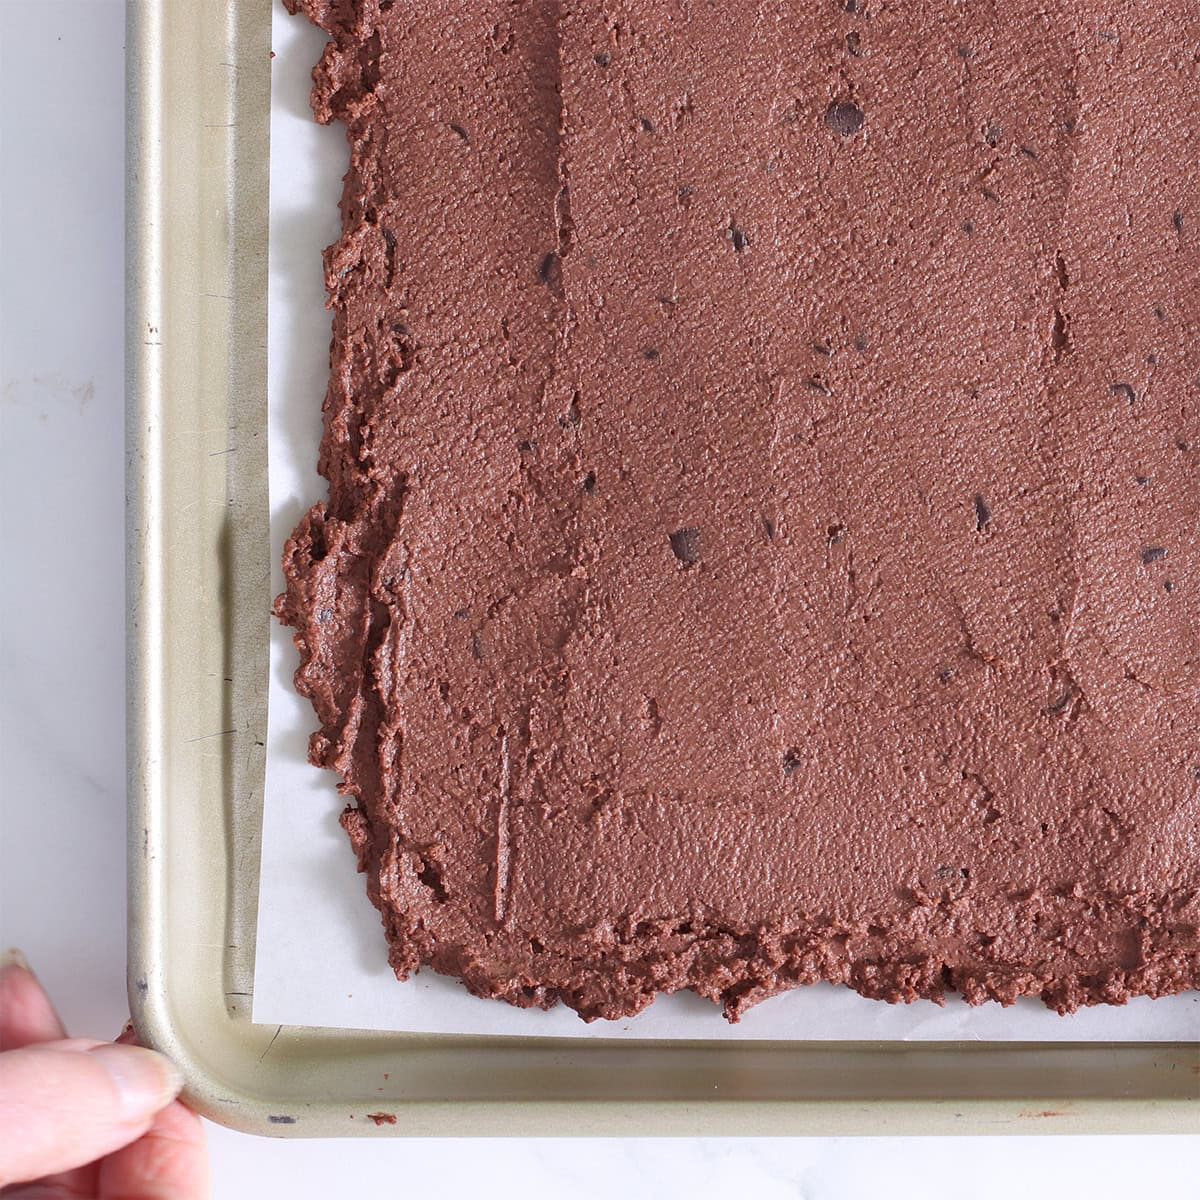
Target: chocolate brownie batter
763	448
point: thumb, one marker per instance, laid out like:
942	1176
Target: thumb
62	1105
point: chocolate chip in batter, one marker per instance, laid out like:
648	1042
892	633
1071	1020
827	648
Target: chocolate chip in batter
1125	389
550	270
739	238
844	117
983	514
1153	554
1177	221
945	872
685	545
602	58
792	762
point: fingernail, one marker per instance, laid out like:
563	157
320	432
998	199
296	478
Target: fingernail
144	1080
12	957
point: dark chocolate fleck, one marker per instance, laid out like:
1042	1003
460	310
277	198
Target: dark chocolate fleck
1153	554
550	270
968	227
844	117
685	545
650	354
965	52
589	483
792	761
1169	585
836	534
1059	339
1125	389
993	134
1142	480
769	527
1159	312
602	58
462	133
853	43
1177	221
738	237
1029	152
647	125
983	514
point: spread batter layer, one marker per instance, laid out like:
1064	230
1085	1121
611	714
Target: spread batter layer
764	464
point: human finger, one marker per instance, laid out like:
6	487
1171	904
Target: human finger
26	1013
168	1162
62	1107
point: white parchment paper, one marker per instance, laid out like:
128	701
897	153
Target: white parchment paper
321	957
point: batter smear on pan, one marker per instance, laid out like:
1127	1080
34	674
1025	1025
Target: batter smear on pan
763	460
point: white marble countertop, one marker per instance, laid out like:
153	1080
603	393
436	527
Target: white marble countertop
62	709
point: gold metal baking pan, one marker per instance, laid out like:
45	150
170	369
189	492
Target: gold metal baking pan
199	595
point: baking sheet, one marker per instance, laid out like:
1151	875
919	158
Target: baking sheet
321	955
